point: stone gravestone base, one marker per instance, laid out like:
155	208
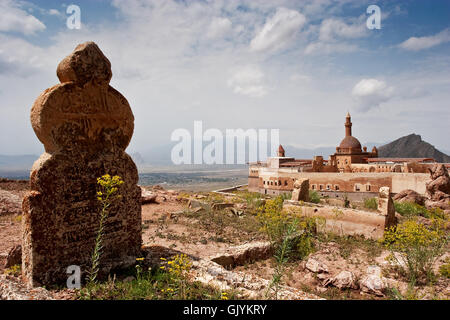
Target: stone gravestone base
85	126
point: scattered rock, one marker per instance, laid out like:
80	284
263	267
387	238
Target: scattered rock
14	256
10	203
438	190
147	196
344	279
316	266
12	289
409	195
373	282
221	206
193	204
240	255
236	212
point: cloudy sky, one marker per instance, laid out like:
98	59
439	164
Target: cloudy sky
297	66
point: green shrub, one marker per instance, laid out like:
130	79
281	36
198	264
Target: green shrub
419	247
444	270
286	196
410	209
15	270
291	236
106	195
167	282
371	203
314	196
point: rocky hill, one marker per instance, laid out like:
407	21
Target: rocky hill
412	146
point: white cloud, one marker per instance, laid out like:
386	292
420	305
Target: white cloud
278	30
13	18
54	12
333	36
219	27
248	81
420	43
330	29
370	93
329	48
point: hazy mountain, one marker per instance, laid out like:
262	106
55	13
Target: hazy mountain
412	146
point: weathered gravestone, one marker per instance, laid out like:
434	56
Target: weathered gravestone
85	126
301	190
386	206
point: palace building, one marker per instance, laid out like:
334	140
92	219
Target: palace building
351	171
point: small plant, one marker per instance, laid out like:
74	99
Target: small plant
282	254
371	203
419	247
15	270
346	201
444	269
286	196
177	270
314	196
108	187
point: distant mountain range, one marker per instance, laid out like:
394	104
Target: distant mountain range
412	146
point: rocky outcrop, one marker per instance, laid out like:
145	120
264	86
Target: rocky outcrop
343	280
438	189
12	289
373	282
240	255
10	203
147	196
14	256
316	266
409	195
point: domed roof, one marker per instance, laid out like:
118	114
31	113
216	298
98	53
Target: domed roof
350	142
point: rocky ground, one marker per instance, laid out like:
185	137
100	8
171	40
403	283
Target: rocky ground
222	236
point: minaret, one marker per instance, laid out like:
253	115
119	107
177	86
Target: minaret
348	125
281	151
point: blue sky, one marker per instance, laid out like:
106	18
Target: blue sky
297	66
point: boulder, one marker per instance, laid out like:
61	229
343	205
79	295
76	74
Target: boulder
409	195
222	205
316	266
438	189
147	196
343	280
240	255
14	256
373	282
10	203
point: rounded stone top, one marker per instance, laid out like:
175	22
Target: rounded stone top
86	63
350	142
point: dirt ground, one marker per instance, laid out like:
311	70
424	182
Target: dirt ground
174	223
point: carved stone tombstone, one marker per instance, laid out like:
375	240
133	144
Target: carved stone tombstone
301	190
386	206
85	126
